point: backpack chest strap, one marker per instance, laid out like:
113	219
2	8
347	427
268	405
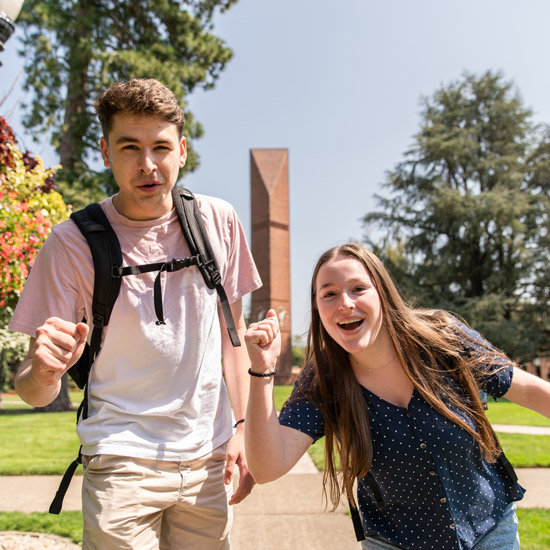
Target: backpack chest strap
174	264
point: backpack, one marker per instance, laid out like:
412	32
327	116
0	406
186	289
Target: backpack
108	273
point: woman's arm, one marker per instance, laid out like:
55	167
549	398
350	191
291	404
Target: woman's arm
271	449
529	391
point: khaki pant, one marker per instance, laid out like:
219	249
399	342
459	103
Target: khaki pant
140	504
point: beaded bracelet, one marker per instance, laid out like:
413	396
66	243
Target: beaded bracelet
262	374
238	422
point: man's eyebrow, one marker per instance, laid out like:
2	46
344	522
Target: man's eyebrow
130	139
127	139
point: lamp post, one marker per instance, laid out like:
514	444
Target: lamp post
9	10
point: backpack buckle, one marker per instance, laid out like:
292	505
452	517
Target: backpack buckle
210	268
214	274
176	264
99	320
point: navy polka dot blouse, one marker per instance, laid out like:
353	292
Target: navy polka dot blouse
438	491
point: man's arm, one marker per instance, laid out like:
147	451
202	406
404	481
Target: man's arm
235	367
56	348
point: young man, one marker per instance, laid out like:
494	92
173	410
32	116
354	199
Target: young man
159	448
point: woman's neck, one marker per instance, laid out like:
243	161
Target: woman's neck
373	364
377	356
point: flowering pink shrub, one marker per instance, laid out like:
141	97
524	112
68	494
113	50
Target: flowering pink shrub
28	208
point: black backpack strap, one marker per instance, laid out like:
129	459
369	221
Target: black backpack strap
57	502
356	519
508	468
375	488
354	510
195	234
107	258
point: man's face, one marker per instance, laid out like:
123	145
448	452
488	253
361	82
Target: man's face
145	154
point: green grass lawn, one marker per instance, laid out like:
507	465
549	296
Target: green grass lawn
13	401
66	524
506	412
281	394
36	443
534	528
526	451
45	443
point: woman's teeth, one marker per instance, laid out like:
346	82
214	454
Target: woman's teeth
350	324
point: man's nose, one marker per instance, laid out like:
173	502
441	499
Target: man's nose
147	163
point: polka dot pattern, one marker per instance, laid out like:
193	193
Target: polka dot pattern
438	491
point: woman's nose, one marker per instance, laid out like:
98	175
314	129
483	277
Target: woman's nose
345	302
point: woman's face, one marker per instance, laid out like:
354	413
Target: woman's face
349	305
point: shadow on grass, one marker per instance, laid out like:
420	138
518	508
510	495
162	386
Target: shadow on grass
14	411
8	410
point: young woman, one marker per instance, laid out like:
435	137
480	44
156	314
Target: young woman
397	392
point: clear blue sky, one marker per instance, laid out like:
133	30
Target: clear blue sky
339	85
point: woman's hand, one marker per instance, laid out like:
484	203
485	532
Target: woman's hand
263	342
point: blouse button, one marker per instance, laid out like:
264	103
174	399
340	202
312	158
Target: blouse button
452	526
422	445
443	500
432	472
409	415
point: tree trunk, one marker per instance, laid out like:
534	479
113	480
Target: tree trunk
79	58
62	401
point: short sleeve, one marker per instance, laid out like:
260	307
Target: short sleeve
60	282
497	379
227	238
302	415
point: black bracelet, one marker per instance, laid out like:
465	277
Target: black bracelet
262	374
238	422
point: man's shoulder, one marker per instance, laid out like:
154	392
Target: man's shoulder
218	213
67	231
215	204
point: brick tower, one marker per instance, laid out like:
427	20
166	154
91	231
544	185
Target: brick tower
271	244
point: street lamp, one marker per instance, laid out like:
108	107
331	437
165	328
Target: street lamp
9	10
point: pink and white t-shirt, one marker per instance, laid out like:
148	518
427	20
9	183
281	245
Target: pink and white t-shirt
155	391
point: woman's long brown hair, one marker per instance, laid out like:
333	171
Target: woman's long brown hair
430	347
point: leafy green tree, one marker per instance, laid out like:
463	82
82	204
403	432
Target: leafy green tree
298	352
73	49
467	212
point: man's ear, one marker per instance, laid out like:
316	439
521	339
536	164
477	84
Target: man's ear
104	152
183	152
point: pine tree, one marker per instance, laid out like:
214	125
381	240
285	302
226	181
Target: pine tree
73	49
466	212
